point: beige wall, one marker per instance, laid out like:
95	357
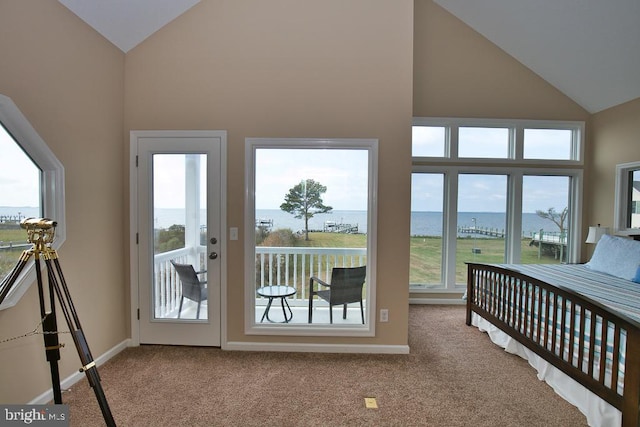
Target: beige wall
68	81
459	73
615	136
290	68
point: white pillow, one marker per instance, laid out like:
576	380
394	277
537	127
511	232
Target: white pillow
617	256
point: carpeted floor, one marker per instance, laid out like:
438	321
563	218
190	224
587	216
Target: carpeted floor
454	376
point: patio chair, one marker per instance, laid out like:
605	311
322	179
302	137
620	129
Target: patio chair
192	287
345	288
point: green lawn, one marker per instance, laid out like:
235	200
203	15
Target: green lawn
16	235
333	240
426	253
426	256
9	257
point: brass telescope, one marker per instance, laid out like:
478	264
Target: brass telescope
40	232
38	223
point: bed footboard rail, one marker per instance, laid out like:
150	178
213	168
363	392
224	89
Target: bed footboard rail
585	340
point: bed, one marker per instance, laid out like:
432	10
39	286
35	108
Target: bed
578	325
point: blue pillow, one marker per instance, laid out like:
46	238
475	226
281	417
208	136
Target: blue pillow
618	256
637	277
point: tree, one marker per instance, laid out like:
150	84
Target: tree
169	239
558	218
304	201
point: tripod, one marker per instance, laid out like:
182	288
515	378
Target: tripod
41	232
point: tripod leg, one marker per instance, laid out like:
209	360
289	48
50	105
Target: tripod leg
71	317
91	371
52	350
11	278
50	334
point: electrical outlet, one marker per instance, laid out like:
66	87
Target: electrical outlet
384	315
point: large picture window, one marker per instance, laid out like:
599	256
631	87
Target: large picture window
492	191
32	186
310	227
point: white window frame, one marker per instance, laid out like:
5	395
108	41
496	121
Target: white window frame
515	168
295	329
621	207
51	187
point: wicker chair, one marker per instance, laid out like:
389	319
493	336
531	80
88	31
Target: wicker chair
192	287
345	288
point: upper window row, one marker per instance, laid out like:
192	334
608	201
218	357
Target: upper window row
520	140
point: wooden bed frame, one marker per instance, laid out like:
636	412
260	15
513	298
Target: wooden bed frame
503	297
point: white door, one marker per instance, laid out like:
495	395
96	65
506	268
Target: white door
179	223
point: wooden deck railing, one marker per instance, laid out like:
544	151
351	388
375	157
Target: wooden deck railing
294	266
274	266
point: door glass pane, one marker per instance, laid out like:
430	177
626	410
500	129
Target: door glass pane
427	191
428	141
485	143
179	236
20	198
481	221
311	216
552	144
545	219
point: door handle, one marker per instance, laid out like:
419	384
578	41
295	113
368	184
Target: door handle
213	240
213	255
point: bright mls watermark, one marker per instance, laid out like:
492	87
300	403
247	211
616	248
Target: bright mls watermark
37	415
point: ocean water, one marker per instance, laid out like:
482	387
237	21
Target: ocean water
422	223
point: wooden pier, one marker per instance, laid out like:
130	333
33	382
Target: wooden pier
11	219
264	223
553	241
333	227
486	231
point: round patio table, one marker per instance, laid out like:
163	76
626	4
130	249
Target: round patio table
273	292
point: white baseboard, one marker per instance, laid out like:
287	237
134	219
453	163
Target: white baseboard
47	396
437	301
317	348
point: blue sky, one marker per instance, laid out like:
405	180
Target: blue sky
19	176
487	193
343	172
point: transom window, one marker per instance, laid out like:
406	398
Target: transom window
479	142
492	191
32	182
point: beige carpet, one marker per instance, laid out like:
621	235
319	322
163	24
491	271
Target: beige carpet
454	376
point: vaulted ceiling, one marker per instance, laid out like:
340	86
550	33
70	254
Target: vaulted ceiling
588	49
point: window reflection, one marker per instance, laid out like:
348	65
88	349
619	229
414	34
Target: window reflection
634	199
